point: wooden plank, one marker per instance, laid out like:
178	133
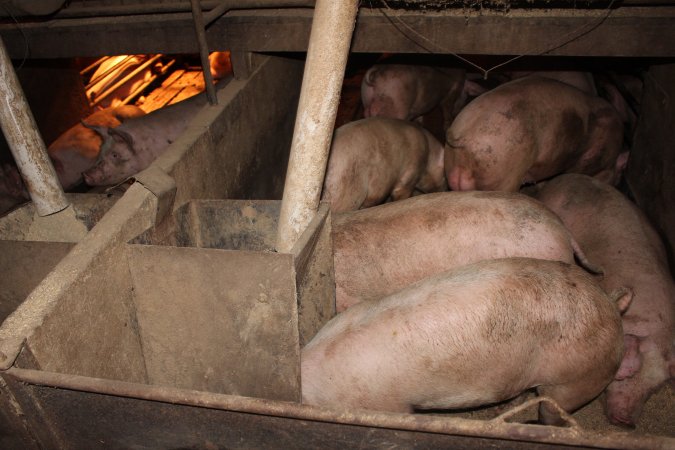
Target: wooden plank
624	31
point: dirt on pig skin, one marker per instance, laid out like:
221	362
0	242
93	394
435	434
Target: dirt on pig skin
380	158
531	129
535	323
382	249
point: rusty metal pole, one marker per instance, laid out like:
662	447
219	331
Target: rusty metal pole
329	41
200	31
25	142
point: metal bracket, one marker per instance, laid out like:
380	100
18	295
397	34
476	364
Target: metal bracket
162	186
571	421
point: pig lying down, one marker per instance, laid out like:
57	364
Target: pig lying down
136	143
531	129
77	149
379	158
615	234
472	336
383	249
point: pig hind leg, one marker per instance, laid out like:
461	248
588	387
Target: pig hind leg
569	397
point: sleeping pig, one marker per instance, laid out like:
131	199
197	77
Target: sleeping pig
471	336
615	234
372	160
531	129
383	249
137	142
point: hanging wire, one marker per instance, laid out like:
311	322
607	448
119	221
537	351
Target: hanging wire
427	44
26	51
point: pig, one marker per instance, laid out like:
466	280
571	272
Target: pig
220	65
407	92
581	80
134	145
471	336
380	250
615	234
624	92
77	149
531	129
378	158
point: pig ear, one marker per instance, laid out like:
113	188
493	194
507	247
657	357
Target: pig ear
368	77
632	359
126	137
473	89
101	130
104	132
623	297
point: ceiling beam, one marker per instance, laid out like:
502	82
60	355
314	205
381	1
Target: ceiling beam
622	32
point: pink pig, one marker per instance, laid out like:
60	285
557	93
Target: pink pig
374	159
471	336
616	235
531	129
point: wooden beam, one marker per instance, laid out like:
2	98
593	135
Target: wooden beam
622	32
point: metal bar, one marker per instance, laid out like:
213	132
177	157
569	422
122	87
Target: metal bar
329	41
140	89
228	5
200	31
25	142
93	65
100	76
216	8
497	429
112	89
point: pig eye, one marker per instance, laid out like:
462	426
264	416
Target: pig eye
115	155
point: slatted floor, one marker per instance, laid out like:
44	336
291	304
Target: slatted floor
178	86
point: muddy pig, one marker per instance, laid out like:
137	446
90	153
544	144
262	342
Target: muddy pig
383	249
531	129
615	234
407	92
136	143
372	160
471	336
77	149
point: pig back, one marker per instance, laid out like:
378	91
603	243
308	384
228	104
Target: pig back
383	249
370	158
473	335
531	129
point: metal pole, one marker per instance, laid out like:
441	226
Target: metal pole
24	141
200	30
329	41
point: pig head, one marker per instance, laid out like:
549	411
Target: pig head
77	149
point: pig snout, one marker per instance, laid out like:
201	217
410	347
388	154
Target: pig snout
93	176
